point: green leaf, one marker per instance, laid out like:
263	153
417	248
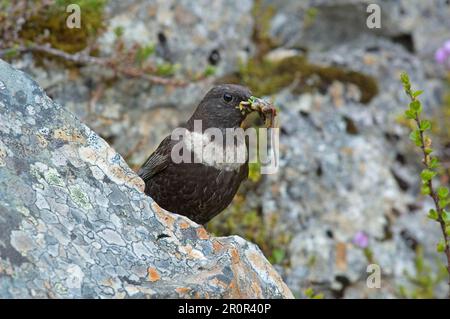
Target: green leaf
425	190
434	162
432	214
415	106
446	216
166	69
447	230
427	175
404	77
415	137
428	150
441	246
410	114
443	192
417	93
210	70
143	53
443	203
425	125
309	292
278	255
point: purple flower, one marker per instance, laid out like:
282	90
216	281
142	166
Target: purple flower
441	55
361	239
446	47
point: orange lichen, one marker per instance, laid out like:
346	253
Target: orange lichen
217	246
161	214
69	135
235	258
341	256
202	233
184	225
153	274
183	291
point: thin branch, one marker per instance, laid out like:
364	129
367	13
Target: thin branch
83	58
433	194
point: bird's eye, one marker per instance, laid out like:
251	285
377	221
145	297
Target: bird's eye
227	97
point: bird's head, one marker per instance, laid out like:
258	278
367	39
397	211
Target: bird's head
224	106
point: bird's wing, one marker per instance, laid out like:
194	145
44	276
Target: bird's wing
158	161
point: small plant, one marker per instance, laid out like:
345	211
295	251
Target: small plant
424	282
439	195
311	294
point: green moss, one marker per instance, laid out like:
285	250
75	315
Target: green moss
48	25
266	77
251	225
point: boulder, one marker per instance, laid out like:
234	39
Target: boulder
74	222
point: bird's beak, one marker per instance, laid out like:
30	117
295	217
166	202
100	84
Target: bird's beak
266	110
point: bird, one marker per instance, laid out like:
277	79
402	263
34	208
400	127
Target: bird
200	188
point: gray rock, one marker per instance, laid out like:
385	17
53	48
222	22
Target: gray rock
75	223
322	24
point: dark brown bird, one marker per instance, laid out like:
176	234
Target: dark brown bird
200	190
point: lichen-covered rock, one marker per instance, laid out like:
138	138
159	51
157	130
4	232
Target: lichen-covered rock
74	221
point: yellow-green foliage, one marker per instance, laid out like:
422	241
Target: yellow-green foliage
48	25
424	281
254	171
252	226
311	294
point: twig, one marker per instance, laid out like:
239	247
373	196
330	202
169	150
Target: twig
425	145
83	58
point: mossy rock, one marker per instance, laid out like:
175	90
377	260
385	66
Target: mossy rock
266	77
48	25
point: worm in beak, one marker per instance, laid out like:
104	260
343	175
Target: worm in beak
266	110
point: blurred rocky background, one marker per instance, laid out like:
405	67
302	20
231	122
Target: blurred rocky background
347	192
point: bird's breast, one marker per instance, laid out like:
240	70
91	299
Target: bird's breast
217	153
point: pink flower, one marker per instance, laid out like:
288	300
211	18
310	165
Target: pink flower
361	239
441	55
